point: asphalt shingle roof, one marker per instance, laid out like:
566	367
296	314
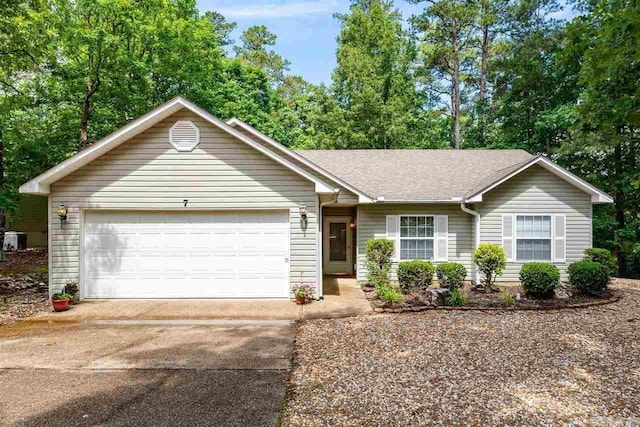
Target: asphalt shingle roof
417	175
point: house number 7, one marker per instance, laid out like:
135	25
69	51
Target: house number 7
185	201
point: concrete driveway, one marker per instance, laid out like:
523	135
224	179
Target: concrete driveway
169	373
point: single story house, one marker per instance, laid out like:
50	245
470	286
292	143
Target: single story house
179	204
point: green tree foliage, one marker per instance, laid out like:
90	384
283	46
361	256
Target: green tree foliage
373	102
254	49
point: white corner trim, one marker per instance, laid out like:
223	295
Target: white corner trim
234	122
40	184
597	196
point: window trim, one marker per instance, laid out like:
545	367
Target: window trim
550	238
433	238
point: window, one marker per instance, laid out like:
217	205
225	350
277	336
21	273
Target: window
416	237
533	237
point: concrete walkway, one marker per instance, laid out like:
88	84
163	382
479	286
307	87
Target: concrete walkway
343	298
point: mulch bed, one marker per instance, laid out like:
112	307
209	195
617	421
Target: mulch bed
480	300
23	285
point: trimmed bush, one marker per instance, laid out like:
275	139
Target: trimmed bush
456	298
390	294
415	275
378	254
604	257
379	279
539	278
451	274
589	277
491	261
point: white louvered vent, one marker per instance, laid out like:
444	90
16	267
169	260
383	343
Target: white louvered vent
184	136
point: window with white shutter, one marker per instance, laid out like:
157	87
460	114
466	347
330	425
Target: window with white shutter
442	237
392	234
560	238
507	236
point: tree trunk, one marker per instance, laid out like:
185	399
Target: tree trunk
92	86
3	217
619	206
484	63
455	87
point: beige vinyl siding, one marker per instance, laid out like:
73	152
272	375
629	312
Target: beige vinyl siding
372	225
345	196
538	191
147	173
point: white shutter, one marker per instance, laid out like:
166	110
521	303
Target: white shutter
559	238
393	234
442	238
508	236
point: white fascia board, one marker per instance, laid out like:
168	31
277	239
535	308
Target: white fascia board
234	122
597	196
40	184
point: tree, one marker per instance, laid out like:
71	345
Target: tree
23	44
604	44
375	103
254	49
447	51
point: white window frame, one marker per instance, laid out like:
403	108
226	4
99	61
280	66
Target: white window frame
400	238
516	237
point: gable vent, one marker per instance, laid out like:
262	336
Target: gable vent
184	136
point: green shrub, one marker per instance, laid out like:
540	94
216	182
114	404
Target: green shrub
539	278
589	277
456	298
415	275
378	254
451	274
604	257
509	299
390	294
379	278
491	261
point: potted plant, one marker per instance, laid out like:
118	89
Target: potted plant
60	301
303	293
71	289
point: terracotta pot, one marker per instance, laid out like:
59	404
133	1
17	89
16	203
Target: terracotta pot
60	305
300	300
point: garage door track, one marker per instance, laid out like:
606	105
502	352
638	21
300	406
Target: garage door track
144	373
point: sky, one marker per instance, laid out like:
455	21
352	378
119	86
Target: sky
306	29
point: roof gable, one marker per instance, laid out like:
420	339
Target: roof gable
501	176
41	184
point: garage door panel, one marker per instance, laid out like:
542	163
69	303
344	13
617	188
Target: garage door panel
186	255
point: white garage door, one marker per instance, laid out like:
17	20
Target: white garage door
186	255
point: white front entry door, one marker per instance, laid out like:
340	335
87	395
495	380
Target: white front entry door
337	245
186	255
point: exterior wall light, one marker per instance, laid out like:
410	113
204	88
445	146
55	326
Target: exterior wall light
303	211
352	224
62	212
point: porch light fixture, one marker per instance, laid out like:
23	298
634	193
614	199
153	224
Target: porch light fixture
62	212
303	212
352	224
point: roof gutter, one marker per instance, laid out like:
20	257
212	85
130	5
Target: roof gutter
476	215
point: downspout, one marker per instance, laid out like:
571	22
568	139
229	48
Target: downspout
476	215
320	243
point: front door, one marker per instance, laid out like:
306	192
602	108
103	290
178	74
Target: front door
337	249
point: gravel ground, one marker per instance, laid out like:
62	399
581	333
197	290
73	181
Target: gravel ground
568	367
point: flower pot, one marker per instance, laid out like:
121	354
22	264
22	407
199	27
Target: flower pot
300	300
60	305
